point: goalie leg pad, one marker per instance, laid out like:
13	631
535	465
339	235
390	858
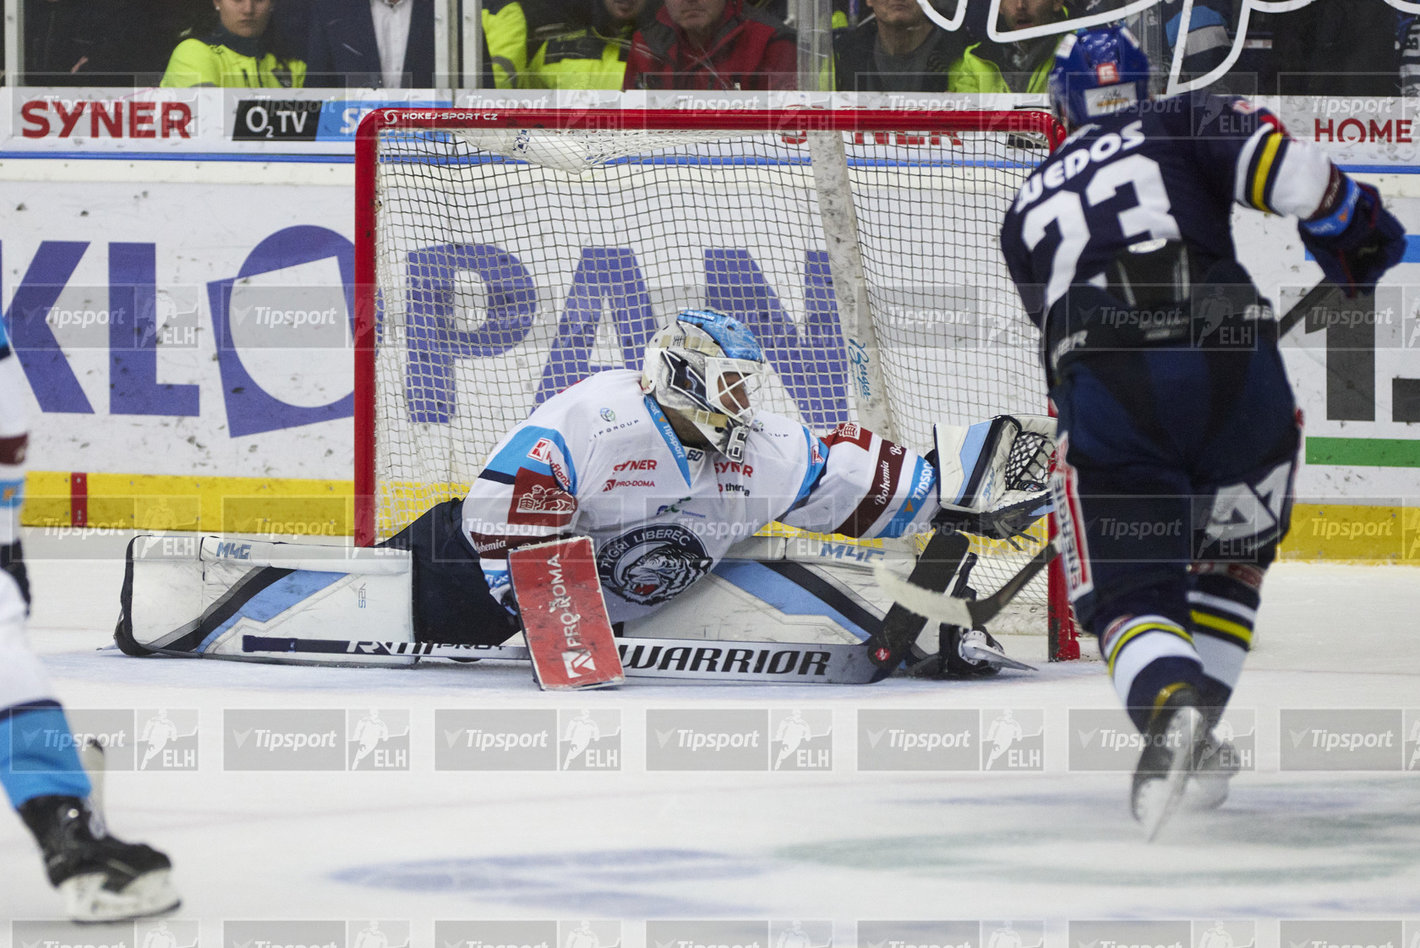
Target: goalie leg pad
452	604
212	596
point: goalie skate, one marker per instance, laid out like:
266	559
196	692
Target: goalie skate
1173	745
564	616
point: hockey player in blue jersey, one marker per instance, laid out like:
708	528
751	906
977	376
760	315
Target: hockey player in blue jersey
100	878
1177	429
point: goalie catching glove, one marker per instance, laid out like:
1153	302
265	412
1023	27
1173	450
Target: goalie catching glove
993	476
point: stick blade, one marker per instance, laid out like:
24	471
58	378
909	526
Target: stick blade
930	605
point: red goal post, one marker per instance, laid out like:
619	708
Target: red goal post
502	255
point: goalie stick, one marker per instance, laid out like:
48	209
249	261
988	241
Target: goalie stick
695	659
921	593
932	605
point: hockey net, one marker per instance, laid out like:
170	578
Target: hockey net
503	256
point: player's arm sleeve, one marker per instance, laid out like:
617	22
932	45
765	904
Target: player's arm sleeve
526	494
192	64
861	485
1018	264
1271	171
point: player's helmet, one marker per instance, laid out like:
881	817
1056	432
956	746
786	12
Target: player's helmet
706	367
1096	72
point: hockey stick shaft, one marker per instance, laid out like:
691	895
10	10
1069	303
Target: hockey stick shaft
1314	299
940	559
692	659
967	613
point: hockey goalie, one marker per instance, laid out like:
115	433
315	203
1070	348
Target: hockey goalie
624	493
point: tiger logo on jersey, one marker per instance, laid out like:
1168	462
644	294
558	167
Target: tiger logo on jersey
653	564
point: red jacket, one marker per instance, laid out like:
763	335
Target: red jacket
750	50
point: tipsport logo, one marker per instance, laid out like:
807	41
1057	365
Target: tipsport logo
730	739
53	933
1368	739
1329	933
510	739
315	739
801	740
285	933
589	740
142	739
377	739
955	933
496	933
919	739
1105	740
743	933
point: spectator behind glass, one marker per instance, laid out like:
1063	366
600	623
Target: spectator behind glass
370	44
1012	67
897	49
105	43
1339	47
712	44
591	58
514	29
237	53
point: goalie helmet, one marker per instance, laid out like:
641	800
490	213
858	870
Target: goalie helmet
706	367
1096	72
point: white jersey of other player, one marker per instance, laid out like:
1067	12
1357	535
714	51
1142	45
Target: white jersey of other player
601	460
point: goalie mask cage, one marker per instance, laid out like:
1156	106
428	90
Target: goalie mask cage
502	256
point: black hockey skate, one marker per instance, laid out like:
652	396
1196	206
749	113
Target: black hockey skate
1174	743
100	878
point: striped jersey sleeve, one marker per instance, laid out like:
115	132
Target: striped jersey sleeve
869	487
1272	171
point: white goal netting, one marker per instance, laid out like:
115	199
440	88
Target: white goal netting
508	256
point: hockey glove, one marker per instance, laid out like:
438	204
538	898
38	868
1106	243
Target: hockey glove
1358	241
12	561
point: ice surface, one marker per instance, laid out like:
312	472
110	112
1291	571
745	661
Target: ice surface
1041	848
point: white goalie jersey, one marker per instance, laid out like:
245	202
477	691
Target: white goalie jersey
601	460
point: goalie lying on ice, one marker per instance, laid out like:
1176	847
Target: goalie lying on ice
664	469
